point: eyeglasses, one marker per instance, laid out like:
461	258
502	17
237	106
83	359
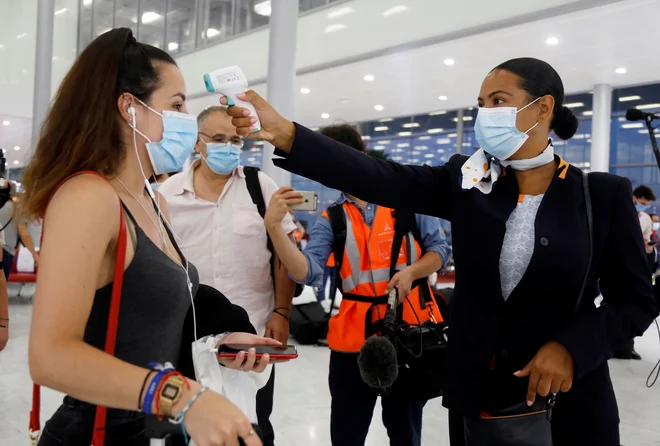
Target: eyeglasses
236	141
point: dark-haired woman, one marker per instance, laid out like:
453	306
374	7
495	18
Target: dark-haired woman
119	112
516	333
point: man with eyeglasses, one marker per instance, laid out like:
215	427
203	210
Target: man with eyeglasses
225	237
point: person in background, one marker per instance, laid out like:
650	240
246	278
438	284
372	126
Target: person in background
299	234
16	230
517	332
329	276
224	236
120	112
643	196
370	231
655	219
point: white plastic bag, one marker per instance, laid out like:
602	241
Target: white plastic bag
25	261
239	387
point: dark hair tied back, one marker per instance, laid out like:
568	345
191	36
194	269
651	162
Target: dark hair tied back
564	123
538	79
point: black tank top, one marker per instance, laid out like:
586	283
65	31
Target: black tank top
154	303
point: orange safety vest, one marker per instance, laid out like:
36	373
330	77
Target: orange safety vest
365	273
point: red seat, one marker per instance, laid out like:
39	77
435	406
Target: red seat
16	277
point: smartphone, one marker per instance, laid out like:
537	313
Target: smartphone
310	201
275	352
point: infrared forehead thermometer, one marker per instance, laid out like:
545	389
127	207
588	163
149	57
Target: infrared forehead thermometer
229	82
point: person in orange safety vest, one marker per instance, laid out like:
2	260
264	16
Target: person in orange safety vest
363	254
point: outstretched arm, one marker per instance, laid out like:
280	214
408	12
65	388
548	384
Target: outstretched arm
422	189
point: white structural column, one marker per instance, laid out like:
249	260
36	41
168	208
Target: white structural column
600	128
281	73
43	65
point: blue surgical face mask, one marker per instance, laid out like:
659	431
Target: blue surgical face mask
496	131
641	207
222	158
179	138
155	186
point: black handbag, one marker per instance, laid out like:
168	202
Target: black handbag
521	425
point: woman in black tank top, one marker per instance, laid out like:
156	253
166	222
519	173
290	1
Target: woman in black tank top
118	97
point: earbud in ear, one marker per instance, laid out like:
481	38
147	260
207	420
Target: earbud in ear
131	111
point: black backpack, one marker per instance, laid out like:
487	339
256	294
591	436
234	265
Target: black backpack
254	188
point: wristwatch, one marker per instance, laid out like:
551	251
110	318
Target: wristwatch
170	394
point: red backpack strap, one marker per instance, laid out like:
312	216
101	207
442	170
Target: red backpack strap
111	332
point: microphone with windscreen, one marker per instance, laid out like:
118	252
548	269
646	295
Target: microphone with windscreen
635	114
378	360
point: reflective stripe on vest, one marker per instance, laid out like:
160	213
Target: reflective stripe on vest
353	259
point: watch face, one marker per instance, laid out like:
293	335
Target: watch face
170	392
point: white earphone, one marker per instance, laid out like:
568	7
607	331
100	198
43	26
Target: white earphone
131	111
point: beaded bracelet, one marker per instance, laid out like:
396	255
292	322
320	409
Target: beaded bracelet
182	414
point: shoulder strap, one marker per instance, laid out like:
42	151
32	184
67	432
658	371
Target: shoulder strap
254	188
404	224
111	331
590	225
337	218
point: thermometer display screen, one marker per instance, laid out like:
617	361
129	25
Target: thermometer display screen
228	78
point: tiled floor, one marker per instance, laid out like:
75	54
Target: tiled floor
302	401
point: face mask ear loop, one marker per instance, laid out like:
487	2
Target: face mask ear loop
518	111
535	100
531	128
146	181
207	152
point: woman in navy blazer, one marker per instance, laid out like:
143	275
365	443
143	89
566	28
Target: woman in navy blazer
534	342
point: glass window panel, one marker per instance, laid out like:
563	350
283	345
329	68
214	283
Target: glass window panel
103	11
251	14
126	14
647	96
252	154
85	26
152	22
218	22
576	150
630	142
306	5
180	26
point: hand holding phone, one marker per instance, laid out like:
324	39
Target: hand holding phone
245	357
310	201
276	352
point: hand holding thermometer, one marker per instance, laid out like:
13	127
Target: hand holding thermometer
229	82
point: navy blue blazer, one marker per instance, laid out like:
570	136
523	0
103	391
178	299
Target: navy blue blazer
542	306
